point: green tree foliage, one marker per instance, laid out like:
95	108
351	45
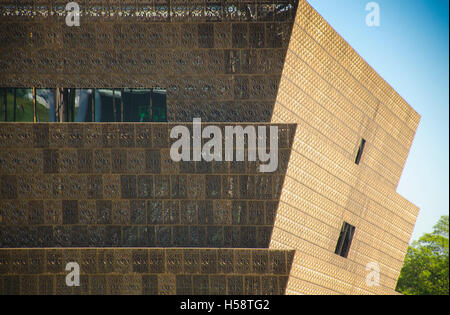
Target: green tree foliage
426	267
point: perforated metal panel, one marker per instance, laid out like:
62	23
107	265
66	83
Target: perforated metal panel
229	61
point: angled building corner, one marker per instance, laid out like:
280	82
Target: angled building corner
102	190
353	136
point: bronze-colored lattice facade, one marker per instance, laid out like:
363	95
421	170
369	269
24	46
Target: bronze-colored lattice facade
160	227
218	60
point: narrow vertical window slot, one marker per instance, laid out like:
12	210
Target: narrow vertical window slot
345	240
360	151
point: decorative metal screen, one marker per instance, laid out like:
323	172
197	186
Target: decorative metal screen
224	57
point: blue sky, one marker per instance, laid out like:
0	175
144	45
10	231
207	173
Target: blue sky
410	50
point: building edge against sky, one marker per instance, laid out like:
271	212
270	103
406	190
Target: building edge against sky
346	157
328	89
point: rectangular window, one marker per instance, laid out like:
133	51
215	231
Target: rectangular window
108	105
83	105
136	105
159	108
23	105
345	240
360	151
4	100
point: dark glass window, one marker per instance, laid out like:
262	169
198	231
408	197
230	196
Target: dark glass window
69	99
360	151
345	240
83	105
159	108
108	104
136	105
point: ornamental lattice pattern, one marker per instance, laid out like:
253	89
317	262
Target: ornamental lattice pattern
115	185
146	271
211	57
225	61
